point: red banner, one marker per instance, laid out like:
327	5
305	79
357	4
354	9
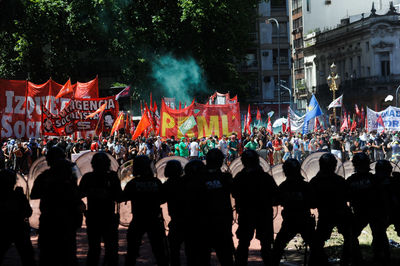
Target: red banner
21	104
200	120
73	117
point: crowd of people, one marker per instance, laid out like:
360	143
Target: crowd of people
276	149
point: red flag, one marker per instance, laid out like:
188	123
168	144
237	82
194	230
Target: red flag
142	126
362	114
248	122
345	124
366	124
151	102
283	127
118	124
358	113
317	125
66	89
245	123
353	126
258	117
149	116
127	123
100	124
157	120
123	93
101	109
269	126
180	105
380	121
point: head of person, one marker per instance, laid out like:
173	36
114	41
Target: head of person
100	162
195	168
8	179
53	155
250	159
183	139
142	167
292	169
361	163
383	168
327	163
173	169
214	159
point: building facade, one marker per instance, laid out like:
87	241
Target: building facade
367	57
262	57
308	17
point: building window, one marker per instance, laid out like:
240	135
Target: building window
368	71
385	64
359	66
308	5
367	46
284	55
298	43
297	23
278	3
282	29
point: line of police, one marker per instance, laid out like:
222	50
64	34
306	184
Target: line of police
200	207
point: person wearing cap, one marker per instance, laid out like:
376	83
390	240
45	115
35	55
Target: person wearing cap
183	148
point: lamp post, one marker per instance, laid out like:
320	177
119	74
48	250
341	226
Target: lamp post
333	82
289	90
279	62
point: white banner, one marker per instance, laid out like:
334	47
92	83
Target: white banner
390	117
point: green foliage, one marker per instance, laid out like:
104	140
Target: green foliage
122	38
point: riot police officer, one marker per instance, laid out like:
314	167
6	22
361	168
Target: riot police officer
294	196
173	190
217	208
102	188
61	210
364	200
254	191
144	192
15	210
330	198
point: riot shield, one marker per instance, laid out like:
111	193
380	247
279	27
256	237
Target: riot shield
236	166
310	165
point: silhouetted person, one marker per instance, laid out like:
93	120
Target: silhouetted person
173	190
61	210
102	188
364	200
330	198
254	191
15	211
144	192
381	181
217	208
294	196
195	237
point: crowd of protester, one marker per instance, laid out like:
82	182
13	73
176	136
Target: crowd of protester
276	149
201	210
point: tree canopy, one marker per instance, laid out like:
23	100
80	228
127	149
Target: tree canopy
120	38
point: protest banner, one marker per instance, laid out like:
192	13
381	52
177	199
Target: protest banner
21	104
390	117
75	116
200	120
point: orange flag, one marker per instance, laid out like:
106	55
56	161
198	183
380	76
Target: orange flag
118	124
101	109
66	89
142	126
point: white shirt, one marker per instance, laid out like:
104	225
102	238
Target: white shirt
194	149
223	146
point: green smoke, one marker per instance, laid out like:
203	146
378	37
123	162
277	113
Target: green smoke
181	79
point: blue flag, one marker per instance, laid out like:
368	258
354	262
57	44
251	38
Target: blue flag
313	110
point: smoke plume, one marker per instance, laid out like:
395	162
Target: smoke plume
181	79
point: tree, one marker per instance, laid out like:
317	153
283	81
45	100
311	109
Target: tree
120	38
